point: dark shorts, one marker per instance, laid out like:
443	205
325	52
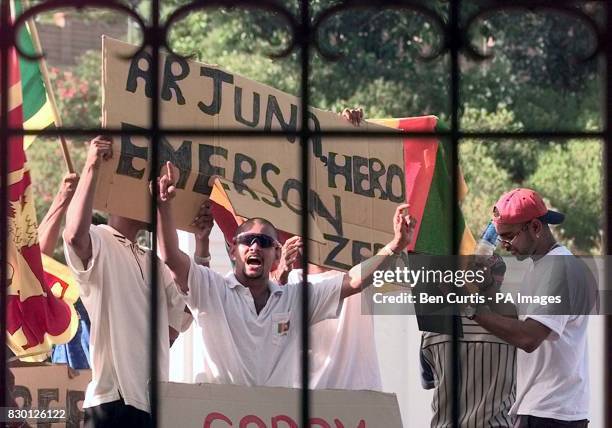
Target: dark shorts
116	414
526	421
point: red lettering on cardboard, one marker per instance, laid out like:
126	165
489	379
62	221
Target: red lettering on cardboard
211	417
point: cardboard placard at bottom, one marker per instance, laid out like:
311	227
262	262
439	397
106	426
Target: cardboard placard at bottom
216	406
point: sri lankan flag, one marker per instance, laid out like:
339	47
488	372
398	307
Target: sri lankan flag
40	309
429	188
37	111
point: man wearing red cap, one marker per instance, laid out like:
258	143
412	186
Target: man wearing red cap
552	363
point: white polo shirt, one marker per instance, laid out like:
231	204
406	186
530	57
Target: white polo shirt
115	289
342	350
246	348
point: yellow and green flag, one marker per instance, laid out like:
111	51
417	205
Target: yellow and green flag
37	111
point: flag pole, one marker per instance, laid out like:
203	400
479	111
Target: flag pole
45	74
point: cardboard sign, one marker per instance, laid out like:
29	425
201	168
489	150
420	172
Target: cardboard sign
220	406
355	185
49	387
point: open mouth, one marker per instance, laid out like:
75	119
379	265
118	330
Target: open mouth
254	261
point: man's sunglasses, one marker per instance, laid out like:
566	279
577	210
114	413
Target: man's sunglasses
264	241
507	243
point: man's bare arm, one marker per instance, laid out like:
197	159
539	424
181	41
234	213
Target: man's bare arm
204	224
526	335
359	276
49	228
176	260
78	218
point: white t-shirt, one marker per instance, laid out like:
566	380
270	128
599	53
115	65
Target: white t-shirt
553	380
115	289
342	350
246	348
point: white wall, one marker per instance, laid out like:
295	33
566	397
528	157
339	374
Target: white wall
398	341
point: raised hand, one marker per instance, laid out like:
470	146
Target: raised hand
167	183
100	149
203	221
290	252
403	228
353	115
68	186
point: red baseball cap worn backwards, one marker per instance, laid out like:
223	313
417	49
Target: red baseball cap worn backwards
523	205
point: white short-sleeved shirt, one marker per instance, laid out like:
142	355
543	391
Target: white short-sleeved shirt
553	380
115	289
246	348
343	350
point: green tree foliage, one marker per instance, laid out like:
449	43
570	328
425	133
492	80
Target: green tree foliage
47	168
570	176
545	48
537	68
485	182
485	179
551	108
567	174
517	157
77	92
378	47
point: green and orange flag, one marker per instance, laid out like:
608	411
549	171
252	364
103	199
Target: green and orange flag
429	188
39	303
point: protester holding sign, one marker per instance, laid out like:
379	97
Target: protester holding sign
253	180
76	352
114	277
249	321
50	225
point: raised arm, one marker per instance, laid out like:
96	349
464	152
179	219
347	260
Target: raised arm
359	276
78	218
204	224
49	228
176	260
